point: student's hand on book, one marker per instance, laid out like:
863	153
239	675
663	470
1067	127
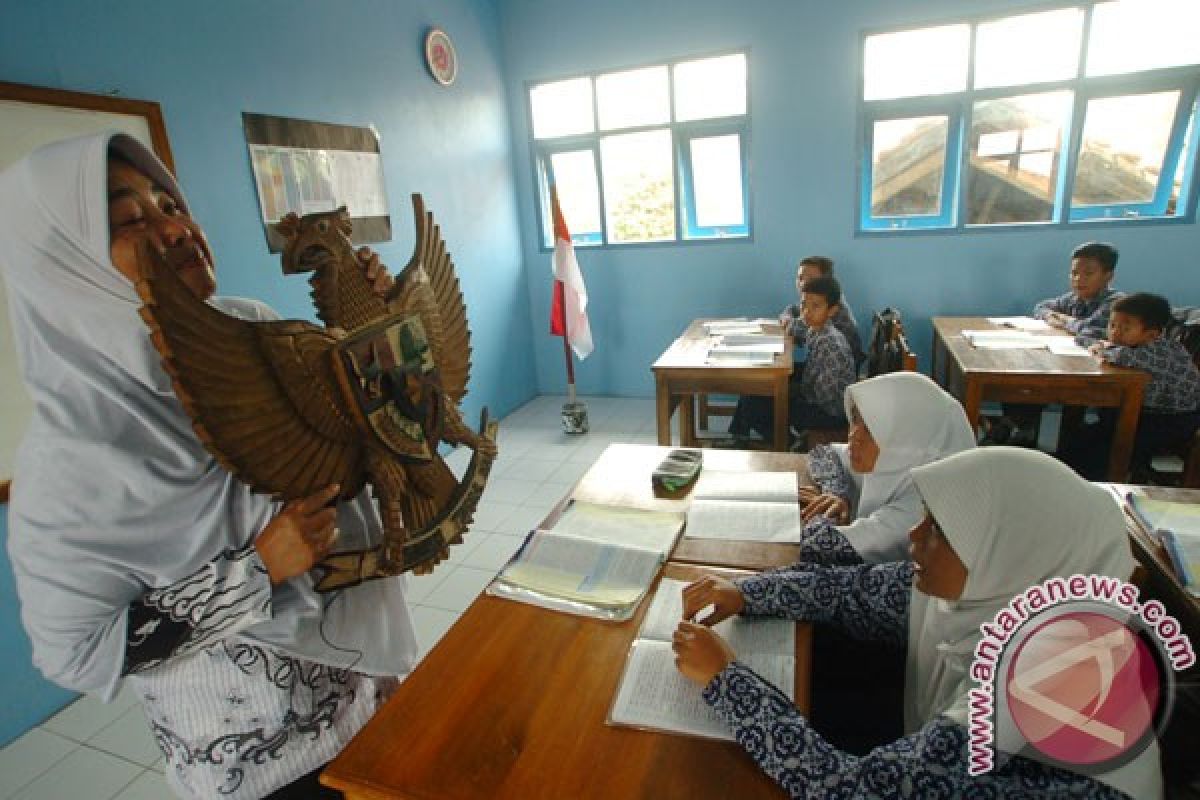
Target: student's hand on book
720	593
700	653
832	506
1057	319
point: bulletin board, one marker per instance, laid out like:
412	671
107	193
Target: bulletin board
31	116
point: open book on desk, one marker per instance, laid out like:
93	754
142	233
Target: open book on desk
654	694
596	561
745	506
1177	527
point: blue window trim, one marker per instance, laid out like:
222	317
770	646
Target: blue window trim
955	132
542	149
1156	207
685	134
953	216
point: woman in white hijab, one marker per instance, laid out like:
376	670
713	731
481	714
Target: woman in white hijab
999	521
898	421
137	557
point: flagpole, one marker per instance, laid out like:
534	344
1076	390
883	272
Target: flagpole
570	370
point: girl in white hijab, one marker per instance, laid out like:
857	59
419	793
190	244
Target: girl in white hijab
137	558
898	421
1000	520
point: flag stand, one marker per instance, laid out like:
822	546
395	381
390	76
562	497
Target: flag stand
574	413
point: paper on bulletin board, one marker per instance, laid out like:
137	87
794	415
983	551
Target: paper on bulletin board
306	167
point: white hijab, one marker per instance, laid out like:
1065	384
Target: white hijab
914	422
112	491
1015	517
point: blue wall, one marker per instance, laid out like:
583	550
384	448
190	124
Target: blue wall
804	68
358	63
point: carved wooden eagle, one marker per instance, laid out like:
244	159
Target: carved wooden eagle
290	407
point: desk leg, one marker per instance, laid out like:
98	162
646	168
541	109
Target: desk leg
779	429
687	420
1122	444
662	411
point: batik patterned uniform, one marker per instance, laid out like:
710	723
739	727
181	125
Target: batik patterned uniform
843	320
236	718
1174	386
1089	318
870	603
829	370
821	542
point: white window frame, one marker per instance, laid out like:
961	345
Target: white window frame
686	232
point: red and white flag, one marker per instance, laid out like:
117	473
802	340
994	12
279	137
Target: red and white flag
568	310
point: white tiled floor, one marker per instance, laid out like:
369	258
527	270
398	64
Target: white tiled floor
105	752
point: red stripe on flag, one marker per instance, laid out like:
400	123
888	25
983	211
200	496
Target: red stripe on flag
558	311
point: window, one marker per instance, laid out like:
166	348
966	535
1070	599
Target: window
654	154
1079	114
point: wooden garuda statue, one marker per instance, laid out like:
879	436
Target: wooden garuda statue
290	407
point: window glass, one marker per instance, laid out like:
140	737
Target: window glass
633	98
717	180
908	161
1014	158
912	63
639	191
1124	144
711	87
1028	49
1143	34
562	108
578	193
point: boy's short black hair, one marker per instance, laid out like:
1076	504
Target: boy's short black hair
823	263
825	286
1102	253
1152	310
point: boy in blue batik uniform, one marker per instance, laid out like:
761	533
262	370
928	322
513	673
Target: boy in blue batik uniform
1084	312
811	268
1171	404
830	366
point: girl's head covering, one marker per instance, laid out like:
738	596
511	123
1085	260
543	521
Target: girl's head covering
1015	517
112	491
914	421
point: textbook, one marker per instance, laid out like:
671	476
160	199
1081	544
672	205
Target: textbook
1177	527
653	693
745	506
596	561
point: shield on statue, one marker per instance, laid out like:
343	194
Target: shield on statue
389	374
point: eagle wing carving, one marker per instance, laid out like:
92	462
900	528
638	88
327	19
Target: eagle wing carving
262	395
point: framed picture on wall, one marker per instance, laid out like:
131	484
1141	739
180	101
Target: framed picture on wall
31	116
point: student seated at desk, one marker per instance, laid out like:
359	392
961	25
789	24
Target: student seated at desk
1084	312
898	421
792	318
817	401
754	413
999	521
1171	403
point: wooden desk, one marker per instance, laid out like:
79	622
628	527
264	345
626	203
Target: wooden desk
1160	579
511	702
1036	376
621	476
681	372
